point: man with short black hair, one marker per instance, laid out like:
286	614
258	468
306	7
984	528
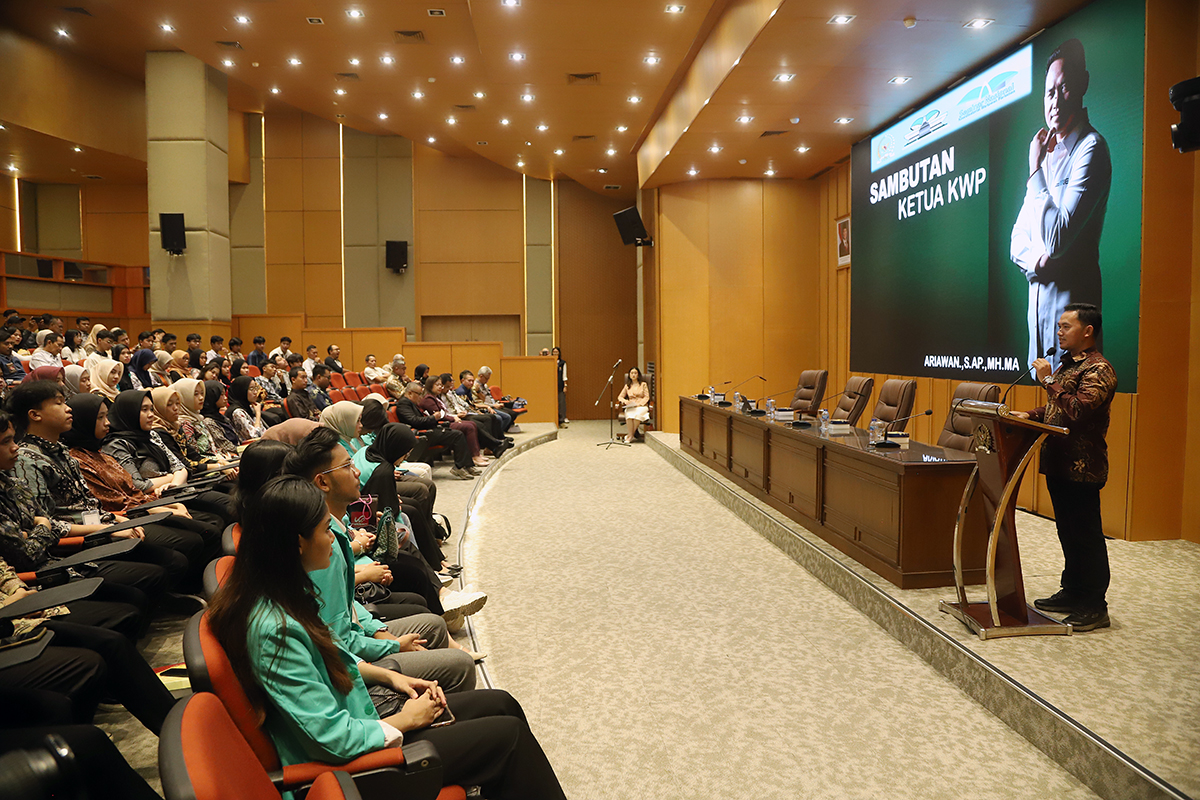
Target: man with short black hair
235	348
258	356
409	411
84	324
121	336
169	342
331	360
299	401
47	354
285	347
145	340
104	345
217	349
319	390
10	365
311	360
1079	396
55	324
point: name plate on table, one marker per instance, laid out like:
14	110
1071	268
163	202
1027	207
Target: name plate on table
718	397
837	428
785	414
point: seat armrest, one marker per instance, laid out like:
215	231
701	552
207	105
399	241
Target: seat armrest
413	772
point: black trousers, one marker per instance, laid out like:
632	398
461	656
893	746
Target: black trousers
1085	573
454	440
490	745
490	431
102	770
111	615
412	574
197	541
138	570
428	483
417	505
398	606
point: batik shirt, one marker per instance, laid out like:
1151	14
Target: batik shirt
9	585
1079	398
56	481
25	544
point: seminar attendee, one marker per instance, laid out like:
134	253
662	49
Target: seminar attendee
331	360
216	348
11	367
1078	397
224	438
1056	238
245	410
562	386
409	411
72	349
47	354
77	380
235	349
106	378
299	401
480	402
635	396
121	336
373	372
102	346
258	356
311	359
284	349
84	324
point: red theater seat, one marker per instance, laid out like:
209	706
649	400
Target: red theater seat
354	379
337	380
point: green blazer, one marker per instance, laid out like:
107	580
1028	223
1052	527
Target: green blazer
308	720
339	609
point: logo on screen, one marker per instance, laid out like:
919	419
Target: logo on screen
885	148
924	125
987	94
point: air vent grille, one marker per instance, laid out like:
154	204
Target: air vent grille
347	76
408	37
612	187
589	137
315	21
76	10
231	45
94	177
583	78
765	134
464	107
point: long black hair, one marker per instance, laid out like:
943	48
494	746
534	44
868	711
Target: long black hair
268	568
261	461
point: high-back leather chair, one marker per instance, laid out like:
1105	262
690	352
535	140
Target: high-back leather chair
957	433
810	391
851	404
895	402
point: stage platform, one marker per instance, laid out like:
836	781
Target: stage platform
1118	708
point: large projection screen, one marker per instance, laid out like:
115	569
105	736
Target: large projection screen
963	259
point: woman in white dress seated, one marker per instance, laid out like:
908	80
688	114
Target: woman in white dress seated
636	399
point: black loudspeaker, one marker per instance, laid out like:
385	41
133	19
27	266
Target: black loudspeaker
396	258
629	225
174	240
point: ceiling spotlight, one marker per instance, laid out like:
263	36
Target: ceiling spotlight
558	152
693	172
504	120
165	27
13	167
520	163
510	3
528	98
431	140
274	90
354	62
745	119
383	116
978	23
802	149
418	95
355	13
716	148
529	144
610	152
841	19
295	62
675	9
227	62
480	95
622	128
634	99
844	120
900	80
242	20
543	127
516	56
77	149
785	77
387	59
652	59
339	91
769	173
451	121
457	60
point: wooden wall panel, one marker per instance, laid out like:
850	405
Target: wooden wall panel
535	379
470	289
683	283
791	322
473	355
471	236
735	280
1191	490
115	224
597	296
269	326
447	183
435	354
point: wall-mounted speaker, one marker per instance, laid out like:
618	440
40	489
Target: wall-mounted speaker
174	240
396	258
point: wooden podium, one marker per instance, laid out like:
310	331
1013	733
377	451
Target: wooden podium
1003	446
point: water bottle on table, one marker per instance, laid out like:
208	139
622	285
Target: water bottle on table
824	425
771	408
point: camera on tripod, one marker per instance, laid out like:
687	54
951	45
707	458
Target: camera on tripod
1185	96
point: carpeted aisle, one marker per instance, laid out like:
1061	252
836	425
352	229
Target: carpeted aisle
663	649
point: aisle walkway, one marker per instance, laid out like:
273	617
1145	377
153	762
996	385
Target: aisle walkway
663	649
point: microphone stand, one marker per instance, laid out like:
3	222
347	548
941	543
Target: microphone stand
612	410
886	443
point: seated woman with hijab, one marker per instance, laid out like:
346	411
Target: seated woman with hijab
291	431
139	369
169	417
179	367
77	380
191	423
159	369
151	457
374	417
47	373
343	417
106	378
224	438
124	355
245	412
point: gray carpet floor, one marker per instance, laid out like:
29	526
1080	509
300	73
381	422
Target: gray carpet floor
662	648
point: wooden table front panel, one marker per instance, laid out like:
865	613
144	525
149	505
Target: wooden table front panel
689	426
748	452
714	436
794	474
862	503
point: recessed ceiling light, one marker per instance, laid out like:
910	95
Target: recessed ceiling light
769	173
437	12
480	95
844	120
315	21
652	59
383	116
520	163
716	148
529	144
900	80
165	26
77	149
60	32
622	128
978	23
431	140
528	98
802	149
418	95
451	121
457	60
558	152
785	77
295	62
504	121
611	151
13	167
274	90
516	56
2	128
543	127
634	99
387	59
227	62
355	13
693	171
354	62
339	91
675	9
841	19
745	119
242	20
602	171
510	3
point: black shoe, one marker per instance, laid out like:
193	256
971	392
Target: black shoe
1060	602
1088	620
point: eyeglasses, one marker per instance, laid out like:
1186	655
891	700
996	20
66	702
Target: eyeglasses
349	464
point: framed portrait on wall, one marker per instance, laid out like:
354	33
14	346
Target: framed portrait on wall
842	234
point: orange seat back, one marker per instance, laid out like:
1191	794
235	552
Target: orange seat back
337	380
354	379
202	754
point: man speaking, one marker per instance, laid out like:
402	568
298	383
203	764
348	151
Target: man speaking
1056	238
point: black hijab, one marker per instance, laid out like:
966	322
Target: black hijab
239	395
138	364
394	441
213	390
235	368
374	417
125	424
126	382
85	410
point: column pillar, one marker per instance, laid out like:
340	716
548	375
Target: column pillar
187	157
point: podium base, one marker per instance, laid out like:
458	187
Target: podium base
978	617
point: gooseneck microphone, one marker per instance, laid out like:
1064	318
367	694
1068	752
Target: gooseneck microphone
885	443
702	396
1049	352
752	377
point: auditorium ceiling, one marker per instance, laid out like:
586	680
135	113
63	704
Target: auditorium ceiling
546	87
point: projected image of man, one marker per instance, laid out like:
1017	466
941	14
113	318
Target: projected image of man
1056	238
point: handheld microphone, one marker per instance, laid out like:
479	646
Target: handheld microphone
885	443
617	364
1049	352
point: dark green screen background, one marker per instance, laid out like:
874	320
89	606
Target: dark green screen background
942	282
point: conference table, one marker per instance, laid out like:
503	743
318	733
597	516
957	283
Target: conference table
892	510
